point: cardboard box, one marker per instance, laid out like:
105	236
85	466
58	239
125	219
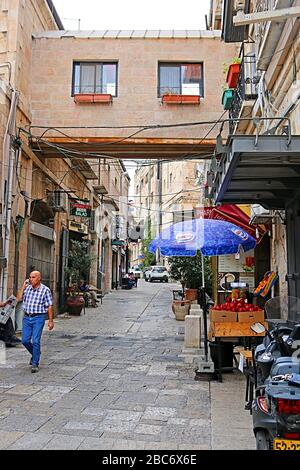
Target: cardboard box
251	317
222	316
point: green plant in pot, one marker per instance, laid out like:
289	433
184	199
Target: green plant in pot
79	263
227	97
232	72
188	270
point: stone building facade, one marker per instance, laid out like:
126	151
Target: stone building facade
268	87
43	189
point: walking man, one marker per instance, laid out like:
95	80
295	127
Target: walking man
37	303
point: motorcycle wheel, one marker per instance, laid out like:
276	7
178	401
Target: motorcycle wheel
263	441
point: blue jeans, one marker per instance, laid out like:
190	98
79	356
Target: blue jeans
31	336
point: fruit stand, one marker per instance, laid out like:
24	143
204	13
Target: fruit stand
230	323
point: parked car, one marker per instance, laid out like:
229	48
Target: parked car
158	273
145	270
146	273
136	271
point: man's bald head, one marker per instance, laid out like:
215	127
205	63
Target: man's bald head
35	278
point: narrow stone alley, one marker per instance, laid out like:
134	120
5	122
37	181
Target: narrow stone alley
115	378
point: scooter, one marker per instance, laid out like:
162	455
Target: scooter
276	406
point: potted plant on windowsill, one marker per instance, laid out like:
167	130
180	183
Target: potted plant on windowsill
233	72
93	98
176	98
227	97
79	261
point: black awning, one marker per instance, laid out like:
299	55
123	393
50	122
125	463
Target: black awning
263	170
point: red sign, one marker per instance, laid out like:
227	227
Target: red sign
229	213
80	209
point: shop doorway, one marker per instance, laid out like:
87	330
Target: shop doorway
40	258
262	263
40	252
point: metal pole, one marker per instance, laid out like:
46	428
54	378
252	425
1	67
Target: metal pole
8	221
9	158
204	306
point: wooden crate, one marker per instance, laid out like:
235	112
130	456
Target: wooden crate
251	317
222	316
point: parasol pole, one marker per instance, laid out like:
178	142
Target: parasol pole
204	309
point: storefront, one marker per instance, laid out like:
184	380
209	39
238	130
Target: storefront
243	268
265	170
41	242
40	255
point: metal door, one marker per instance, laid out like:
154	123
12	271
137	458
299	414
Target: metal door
40	258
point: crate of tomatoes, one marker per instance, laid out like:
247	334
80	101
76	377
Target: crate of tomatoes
236	310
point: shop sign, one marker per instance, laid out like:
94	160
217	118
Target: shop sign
232	270
78	227
80	209
118	242
118	228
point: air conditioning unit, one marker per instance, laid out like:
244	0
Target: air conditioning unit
58	201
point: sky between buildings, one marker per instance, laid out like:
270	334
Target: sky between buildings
132	14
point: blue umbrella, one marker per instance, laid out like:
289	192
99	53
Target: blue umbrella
212	237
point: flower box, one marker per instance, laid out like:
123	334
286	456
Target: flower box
227	98
92	98
233	75
181	99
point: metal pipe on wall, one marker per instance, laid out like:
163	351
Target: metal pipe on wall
9	158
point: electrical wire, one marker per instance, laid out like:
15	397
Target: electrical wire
66	152
97	144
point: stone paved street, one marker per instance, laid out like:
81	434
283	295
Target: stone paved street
116	379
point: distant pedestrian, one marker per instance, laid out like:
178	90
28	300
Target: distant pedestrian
37	305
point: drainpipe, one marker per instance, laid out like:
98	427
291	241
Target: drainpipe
8	159
159	181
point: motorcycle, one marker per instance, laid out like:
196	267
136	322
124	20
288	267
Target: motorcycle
276	406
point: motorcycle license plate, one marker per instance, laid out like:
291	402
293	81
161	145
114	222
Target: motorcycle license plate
286	444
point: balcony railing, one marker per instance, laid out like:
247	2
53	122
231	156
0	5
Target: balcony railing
261	29
246	89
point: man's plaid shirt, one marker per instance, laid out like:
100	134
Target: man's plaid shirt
37	300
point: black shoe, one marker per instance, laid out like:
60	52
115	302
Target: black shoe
15	339
34	369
